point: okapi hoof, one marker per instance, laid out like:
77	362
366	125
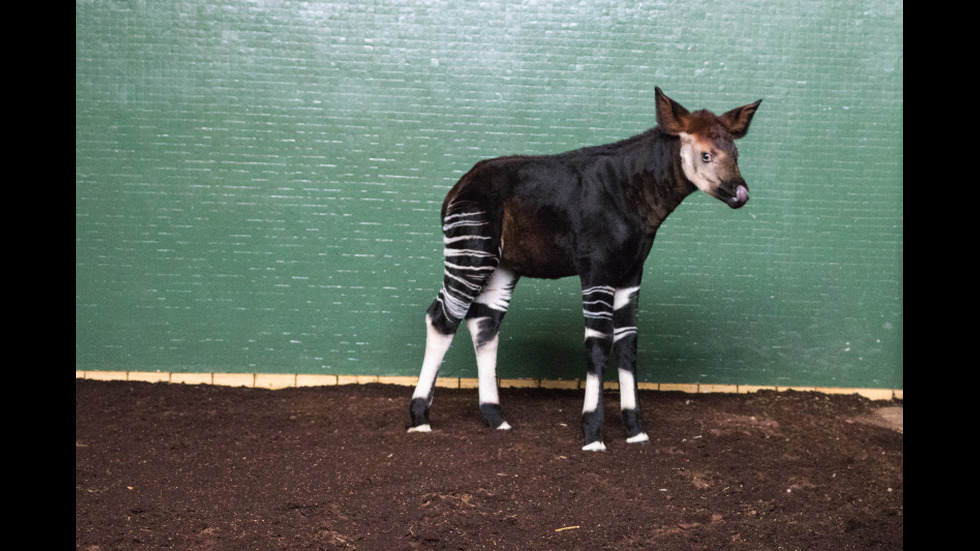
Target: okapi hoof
491	412
641	438
596	446
419	410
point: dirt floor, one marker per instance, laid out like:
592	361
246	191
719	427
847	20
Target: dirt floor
167	466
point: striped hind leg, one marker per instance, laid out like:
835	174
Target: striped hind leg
483	322
471	256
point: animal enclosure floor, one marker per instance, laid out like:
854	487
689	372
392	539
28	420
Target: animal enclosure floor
167	466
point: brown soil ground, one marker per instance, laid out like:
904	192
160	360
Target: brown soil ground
167	466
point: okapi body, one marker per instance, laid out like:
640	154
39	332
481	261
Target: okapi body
591	213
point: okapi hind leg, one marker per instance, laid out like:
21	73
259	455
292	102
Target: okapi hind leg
486	361
625	307
471	252
483	321
437	343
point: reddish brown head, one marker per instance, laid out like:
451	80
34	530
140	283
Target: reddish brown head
708	153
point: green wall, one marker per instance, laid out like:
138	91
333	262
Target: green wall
257	183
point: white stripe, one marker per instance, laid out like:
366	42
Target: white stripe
604	310
599	289
452	306
458	267
473	286
464	214
592	333
592	389
624	296
448	240
450	251
627	390
598	315
624	332
462	224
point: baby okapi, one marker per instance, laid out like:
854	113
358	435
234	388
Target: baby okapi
591	213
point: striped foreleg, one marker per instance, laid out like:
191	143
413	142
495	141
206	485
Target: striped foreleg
483	321
625	308
597	306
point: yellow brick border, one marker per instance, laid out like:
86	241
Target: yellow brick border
273	381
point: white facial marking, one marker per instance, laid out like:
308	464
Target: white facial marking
690	156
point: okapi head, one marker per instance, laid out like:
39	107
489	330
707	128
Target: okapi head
708	154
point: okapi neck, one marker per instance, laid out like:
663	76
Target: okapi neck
657	179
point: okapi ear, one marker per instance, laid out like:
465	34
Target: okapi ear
671	116
737	120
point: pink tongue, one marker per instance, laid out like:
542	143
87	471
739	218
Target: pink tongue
742	193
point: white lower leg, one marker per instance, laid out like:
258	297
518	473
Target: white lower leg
627	390
593	390
628	401
486	365
593	386
436	346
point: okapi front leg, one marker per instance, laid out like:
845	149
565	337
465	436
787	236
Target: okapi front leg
483	321
624	347
597	305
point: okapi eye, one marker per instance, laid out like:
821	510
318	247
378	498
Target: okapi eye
706	157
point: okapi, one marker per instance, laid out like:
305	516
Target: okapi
591	213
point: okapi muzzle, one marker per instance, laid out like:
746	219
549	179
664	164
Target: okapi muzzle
592	213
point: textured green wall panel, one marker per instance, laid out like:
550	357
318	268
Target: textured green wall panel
257	183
